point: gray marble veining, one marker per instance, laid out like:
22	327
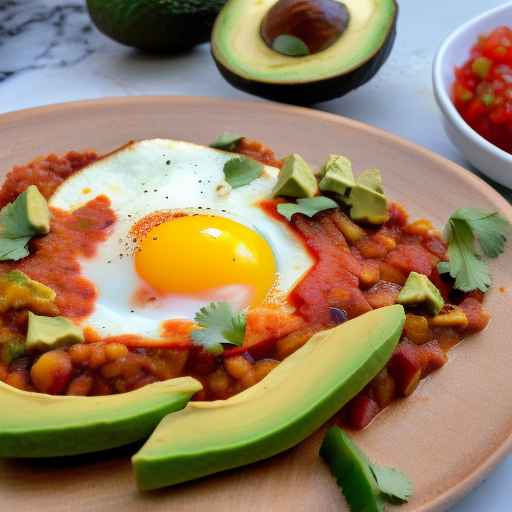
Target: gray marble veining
36	34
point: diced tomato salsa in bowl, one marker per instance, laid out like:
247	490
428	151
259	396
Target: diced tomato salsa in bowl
482	90
358	267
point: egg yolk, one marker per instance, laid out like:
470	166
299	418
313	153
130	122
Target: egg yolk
197	253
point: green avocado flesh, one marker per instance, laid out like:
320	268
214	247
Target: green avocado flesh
352	471
296	398
419	289
248	63
39	425
156	26
47	332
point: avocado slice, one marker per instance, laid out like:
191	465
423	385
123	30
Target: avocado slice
48	332
296	179
298	396
40	425
419	289
167	26
247	61
337	175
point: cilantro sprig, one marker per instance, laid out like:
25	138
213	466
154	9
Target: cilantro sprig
219	325
308	206
472	236
14	249
241	170
366	486
227	141
393	484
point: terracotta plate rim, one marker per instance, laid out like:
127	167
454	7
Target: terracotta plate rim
452	495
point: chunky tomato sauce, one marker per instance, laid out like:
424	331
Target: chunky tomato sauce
357	268
54	258
47	173
482	91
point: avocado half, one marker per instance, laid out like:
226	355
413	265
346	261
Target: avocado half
288	405
246	62
163	26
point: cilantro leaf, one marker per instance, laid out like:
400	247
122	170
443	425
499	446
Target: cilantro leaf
241	170
307	206
14	222
219	325
13	249
227	141
465	265
392	483
464	229
490	228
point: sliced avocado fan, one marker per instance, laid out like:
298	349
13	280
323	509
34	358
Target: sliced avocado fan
296	398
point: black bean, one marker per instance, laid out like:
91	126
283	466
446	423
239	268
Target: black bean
338	315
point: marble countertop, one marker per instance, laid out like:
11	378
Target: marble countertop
50	53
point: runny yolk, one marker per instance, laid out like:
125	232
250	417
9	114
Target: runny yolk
198	253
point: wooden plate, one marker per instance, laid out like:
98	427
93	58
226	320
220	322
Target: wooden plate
453	430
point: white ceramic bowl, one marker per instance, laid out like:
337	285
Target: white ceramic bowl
485	156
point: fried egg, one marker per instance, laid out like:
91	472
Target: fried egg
181	238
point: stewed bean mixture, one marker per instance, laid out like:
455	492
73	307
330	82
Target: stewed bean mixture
358	268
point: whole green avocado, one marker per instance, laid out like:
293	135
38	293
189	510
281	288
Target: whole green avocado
163	26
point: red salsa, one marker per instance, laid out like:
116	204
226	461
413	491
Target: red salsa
358	268
482	91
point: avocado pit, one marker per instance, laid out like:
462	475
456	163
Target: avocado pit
316	23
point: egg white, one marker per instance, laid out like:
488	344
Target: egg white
159	174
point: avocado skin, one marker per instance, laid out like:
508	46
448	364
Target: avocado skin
90	424
316	91
163	26
160	466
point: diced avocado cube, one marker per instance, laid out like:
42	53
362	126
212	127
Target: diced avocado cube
46	332
367	199
296	178
11	350
38	214
40	290
419	289
18	291
337	175
28	215
372	179
368	205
